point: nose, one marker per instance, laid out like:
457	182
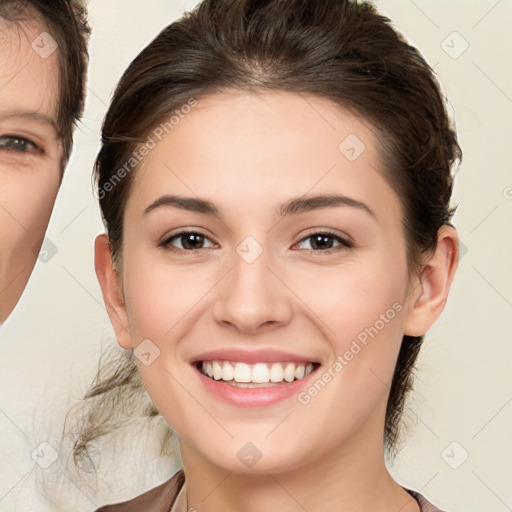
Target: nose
253	297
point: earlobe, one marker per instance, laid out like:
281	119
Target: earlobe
111	290
429	297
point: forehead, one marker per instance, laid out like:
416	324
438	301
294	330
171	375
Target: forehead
280	136
29	68
249	151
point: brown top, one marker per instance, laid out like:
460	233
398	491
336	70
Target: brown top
171	497
158	499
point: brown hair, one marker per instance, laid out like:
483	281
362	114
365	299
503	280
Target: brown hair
340	50
67	24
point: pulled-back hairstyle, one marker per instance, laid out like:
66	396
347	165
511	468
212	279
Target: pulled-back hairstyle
340	50
67	23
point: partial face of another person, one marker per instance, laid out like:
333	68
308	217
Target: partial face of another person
264	282
30	152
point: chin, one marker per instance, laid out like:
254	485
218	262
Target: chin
256	458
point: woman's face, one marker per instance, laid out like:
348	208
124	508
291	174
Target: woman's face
297	261
30	152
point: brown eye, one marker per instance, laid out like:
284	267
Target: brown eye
325	241
187	240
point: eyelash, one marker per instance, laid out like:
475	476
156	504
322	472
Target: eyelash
344	242
18	141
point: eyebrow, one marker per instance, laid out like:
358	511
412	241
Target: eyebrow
291	207
30	116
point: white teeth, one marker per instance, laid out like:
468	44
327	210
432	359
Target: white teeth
259	373
217	370
242	373
228	372
299	371
289	372
276	373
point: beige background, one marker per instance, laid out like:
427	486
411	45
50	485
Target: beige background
462	405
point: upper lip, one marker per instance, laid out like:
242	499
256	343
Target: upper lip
252	356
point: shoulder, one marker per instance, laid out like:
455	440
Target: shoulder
158	499
425	505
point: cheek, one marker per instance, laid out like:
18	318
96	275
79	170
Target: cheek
352	297
360	311
162	299
27	206
361	320
42	202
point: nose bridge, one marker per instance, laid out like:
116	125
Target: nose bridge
252	295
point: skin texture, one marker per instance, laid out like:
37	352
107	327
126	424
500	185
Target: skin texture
30	155
249	154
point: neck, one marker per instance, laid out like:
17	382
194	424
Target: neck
348	481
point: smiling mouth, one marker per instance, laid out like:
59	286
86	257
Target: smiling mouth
246	375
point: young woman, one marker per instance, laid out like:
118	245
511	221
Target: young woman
43	62
275	179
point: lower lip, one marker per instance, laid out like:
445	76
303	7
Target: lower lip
254	397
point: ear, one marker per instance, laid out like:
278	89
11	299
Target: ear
111	289
429	296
